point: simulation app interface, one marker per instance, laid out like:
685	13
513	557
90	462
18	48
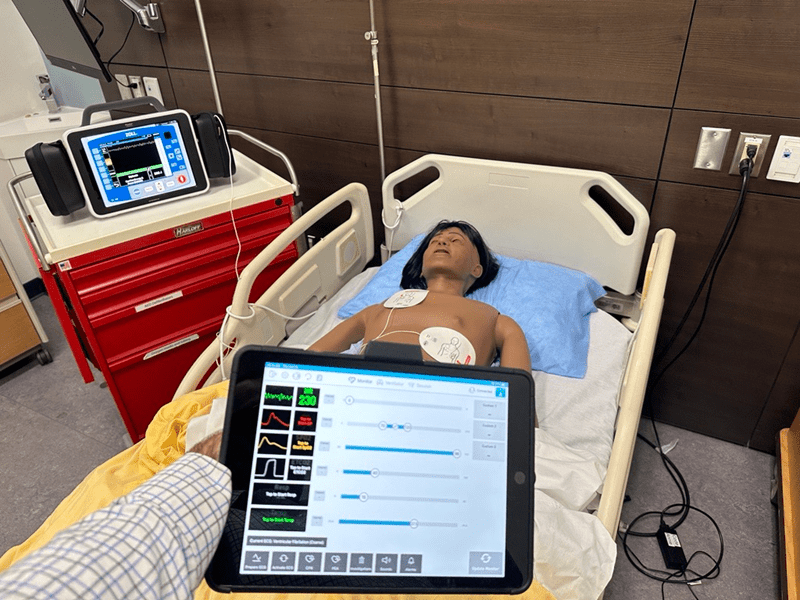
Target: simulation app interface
377	473
139	163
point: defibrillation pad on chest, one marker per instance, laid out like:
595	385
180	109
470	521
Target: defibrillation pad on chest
447	345
406	298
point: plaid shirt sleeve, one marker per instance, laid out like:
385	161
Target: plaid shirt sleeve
156	542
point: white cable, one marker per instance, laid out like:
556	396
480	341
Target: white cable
230	201
228	314
398	209
388	318
288	318
222	345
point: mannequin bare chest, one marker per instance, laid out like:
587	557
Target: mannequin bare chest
472	319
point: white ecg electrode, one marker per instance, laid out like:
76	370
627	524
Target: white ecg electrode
406	298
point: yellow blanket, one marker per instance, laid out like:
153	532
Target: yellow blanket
163	444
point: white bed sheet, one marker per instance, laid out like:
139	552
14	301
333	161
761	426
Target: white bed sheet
574	555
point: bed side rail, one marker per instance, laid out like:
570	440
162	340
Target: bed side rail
634	384
313	278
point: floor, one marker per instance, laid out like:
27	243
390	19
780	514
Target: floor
730	483
56	429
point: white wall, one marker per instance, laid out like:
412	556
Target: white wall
20	62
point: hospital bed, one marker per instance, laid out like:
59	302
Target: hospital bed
588	423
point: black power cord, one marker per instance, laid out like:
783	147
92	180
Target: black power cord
99	22
684	508
113	56
681	510
745	168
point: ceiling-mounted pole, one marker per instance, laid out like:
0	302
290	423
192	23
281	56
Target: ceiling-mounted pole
372	37
209	61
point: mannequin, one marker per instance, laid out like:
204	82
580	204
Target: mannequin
451	261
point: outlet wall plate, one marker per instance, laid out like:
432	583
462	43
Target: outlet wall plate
138	91
711	148
785	165
124	90
740	145
152	89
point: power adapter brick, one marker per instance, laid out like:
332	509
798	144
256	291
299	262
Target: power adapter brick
671	548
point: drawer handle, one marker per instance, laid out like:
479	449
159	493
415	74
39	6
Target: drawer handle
171	346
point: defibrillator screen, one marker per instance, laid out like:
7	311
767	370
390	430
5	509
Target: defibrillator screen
140	162
130	163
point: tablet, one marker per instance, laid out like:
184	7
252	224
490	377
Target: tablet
354	474
128	164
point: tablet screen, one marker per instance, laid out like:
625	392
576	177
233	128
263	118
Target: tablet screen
354	474
363	472
139	162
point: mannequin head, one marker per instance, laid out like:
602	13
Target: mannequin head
455	248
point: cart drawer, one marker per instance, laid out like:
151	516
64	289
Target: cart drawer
150	294
196	252
18	333
7	288
158	319
141	293
147	378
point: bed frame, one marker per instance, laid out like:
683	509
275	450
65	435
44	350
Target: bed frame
527	211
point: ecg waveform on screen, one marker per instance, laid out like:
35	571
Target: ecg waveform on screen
272	416
269	443
146	140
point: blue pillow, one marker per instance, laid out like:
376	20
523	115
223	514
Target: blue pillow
551	304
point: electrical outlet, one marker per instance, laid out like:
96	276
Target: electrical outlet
124	90
137	87
761	141
152	88
752	146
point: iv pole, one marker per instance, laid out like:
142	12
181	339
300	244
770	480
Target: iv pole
209	61
372	37
215	88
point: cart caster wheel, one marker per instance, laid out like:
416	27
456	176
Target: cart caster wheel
44	357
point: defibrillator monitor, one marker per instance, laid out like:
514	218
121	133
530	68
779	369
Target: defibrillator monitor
132	163
372	476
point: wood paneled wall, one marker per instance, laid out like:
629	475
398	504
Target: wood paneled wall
622	87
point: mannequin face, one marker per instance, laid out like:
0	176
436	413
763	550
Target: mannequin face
451	253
